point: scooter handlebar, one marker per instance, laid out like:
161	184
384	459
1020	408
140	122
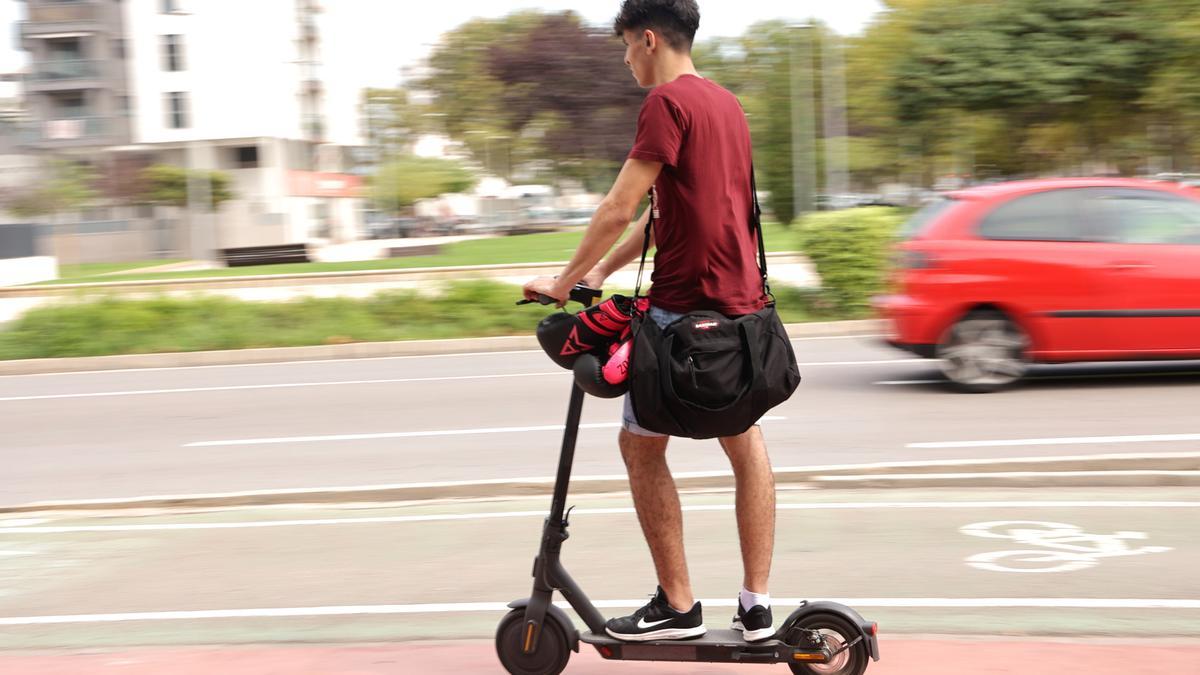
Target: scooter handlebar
582	294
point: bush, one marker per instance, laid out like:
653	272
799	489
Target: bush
106	325
95	327
850	249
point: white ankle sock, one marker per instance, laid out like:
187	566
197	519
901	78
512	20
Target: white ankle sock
749	600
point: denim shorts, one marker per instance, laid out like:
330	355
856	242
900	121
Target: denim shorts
663	318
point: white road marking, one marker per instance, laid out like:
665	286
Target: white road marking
411	434
541	513
1065	547
918	477
291	385
364	610
343	383
268	364
879	362
23	522
1081	440
14	554
584	480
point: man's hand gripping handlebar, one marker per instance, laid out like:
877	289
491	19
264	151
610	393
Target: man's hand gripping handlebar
584	295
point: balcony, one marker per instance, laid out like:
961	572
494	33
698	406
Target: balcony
70	132
46	19
65	75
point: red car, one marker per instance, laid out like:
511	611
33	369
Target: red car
994	278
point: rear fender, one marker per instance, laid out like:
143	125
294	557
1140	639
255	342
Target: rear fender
865	628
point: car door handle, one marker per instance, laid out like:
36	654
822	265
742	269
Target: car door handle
1129	266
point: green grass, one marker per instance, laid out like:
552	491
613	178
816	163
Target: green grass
86	270
164	324
526	248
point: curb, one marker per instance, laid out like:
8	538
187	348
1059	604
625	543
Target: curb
364	350
1118	470
324	278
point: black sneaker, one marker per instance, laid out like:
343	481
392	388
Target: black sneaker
754	624
658	621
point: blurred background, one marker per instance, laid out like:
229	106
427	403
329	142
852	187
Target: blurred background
1007	190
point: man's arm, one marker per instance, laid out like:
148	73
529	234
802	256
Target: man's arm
625	253
611	219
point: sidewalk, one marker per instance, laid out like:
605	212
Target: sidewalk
917	656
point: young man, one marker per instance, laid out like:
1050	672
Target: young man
693	146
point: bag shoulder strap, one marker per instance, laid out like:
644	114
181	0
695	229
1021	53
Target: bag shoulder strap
755	227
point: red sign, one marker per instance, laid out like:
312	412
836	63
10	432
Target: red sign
314	184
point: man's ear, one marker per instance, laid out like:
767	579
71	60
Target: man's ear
651	40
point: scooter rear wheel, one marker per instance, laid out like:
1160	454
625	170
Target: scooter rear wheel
552	653
837	633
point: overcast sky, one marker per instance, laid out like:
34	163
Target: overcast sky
390	34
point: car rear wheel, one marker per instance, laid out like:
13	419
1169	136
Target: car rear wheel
985	351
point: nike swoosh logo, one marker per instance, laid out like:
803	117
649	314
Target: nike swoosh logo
643	625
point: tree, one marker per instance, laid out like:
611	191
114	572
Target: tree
582	108
167	185
393	122
1174	91
499	94
70	187
401	182
758	68
1032	63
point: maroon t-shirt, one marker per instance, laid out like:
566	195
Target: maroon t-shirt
707	252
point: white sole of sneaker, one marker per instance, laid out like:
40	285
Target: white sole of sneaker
753	635
758	635
665	634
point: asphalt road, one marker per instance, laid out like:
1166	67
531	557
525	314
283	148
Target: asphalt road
1115	563
496	416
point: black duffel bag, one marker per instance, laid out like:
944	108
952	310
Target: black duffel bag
707	375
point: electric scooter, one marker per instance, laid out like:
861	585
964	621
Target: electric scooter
537	637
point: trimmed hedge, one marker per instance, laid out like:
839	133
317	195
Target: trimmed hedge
850	251
99	327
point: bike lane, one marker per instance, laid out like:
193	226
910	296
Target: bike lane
900	657
410	574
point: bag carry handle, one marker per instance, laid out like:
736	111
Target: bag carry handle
756	387
755	226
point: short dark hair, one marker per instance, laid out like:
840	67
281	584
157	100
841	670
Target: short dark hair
675	20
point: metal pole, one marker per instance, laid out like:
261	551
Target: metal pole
837	160
803	126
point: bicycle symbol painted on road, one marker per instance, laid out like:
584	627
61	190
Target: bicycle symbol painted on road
1065	547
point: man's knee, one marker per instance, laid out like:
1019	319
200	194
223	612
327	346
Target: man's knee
641	448
747	444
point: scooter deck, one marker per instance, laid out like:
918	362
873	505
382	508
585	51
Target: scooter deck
715	646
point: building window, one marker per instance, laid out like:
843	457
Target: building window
173	53
246	157
118	48
177	110
169	6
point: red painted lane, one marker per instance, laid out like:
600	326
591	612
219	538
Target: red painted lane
901	657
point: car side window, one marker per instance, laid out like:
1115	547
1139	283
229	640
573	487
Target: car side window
1045	216
1132	216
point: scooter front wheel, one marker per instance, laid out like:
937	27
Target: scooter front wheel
836	632
549	658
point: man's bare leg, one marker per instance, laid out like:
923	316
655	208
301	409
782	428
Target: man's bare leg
755	505
657	502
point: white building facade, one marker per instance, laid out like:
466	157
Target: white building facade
238	86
